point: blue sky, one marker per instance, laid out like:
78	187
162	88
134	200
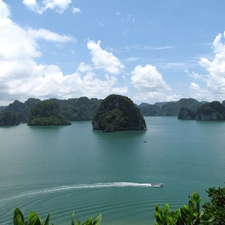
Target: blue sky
150	51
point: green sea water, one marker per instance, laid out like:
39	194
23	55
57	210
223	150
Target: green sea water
59	170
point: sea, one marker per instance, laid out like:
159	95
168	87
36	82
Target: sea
74	169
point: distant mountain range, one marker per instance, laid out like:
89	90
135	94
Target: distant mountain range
83	108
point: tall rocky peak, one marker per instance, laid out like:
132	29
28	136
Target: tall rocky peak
117	113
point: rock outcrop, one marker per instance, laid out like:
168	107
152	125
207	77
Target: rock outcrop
186	114
8	118
211	112
46	113
118	113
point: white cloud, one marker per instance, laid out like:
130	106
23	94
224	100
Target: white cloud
58	5
215	80
148	80
75	10
4	10
103	59
30	3
83	68
15	44
193	74
48	35
199	93
156	97
147	47
22	77
120	90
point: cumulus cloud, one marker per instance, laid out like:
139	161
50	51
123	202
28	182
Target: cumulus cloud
120	90
199	93
103	59
23	77
215	80
148	80
4	11
40	7
15	43
149	83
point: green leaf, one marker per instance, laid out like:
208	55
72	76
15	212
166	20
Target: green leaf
72	220
166	209
98	220
78	222
88	222
35	221
32	215
20	223
47	220
18	216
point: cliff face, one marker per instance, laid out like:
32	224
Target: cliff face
46	113
211	112
118	113
186	114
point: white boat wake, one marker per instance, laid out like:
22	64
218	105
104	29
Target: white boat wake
81	186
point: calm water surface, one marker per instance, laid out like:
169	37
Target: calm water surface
59	170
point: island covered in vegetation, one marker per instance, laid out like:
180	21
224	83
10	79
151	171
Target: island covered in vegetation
117	113
83	109
46	113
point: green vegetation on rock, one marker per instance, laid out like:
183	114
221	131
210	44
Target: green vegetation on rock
211	111
169	108
173	108
46	113
118	113
8	118
83	108
80	109
149	110
20	108
186	114
75	109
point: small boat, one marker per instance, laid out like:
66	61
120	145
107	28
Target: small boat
145	141
156	184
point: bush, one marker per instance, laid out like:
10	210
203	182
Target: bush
34	219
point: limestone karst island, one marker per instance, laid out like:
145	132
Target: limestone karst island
114	113
117	113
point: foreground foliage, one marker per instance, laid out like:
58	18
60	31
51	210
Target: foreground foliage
34	219
213	212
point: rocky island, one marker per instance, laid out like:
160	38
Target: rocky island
186	114
212	111
118	113
46	113
8	118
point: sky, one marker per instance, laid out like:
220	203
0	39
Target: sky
150	51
